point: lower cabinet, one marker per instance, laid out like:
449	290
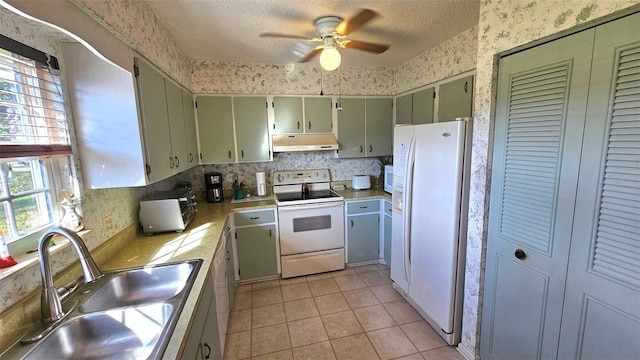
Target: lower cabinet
387	232
231	269
203	341
363	230
256	243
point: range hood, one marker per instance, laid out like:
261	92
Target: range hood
304	142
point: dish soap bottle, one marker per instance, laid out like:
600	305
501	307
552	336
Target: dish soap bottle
5	259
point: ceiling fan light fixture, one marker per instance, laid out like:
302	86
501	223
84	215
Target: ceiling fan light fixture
330	58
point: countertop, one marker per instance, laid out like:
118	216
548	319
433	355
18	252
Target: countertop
199	241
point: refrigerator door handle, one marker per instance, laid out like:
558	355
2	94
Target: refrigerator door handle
407	196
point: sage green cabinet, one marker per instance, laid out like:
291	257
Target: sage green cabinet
415	108
175	112
256	243
404	109
351	128
215	129
422	106
203	339
291	118
317	115
188	107
379	125
155	121
287	113
365	127
387	232
455	99
231	268
252	133
363	234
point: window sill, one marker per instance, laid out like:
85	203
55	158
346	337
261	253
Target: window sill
26	261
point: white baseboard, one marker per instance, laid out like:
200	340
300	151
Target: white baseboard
467	352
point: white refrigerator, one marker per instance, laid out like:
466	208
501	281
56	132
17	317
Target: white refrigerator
430	204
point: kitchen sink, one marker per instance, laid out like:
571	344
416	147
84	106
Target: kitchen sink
126	314
139	286
129	333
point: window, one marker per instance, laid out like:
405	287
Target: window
35	150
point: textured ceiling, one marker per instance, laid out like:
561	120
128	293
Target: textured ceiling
227	30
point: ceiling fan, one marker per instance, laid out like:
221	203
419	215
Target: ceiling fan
332	32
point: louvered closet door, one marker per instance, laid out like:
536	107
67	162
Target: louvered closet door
601	318
540	114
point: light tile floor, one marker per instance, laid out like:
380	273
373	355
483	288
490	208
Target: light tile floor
350	314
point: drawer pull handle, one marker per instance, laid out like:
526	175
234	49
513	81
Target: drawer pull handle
255	218
229	154
269	232
351	222
364	207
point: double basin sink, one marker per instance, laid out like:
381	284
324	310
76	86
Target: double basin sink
127	314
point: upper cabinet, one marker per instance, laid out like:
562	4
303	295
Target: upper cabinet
190	127
130	122
365	127
415	108
455	99
252	130
233	129
297	115
215	129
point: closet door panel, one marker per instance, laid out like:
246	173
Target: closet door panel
601	317
540	112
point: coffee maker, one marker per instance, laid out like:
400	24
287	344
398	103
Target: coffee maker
213	183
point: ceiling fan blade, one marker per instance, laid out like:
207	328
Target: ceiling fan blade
350	25
286	36
312	54
366	46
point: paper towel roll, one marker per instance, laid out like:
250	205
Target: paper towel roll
261	183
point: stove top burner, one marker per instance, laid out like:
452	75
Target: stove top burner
311	195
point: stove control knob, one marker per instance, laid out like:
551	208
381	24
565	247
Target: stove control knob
315	174
280	178
288	175
324	175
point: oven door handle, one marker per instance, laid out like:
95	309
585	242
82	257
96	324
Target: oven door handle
310	206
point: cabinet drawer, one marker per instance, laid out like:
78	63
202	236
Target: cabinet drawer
387	208
254	217
359	207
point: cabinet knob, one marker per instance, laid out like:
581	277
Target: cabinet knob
520	254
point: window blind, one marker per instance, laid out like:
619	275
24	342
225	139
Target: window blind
32	115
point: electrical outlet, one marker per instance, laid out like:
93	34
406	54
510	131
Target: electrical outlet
107	224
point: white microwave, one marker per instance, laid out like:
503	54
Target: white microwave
388	178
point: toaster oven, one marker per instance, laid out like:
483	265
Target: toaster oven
170	210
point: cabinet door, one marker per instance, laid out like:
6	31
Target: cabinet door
192	345
256	248
540	112
317	115
190	128
215	129
175	110
422	107
351	128
155	121
287	113
455	99
251	128
363	237
387	240
404	109
601	314
231	269
379	134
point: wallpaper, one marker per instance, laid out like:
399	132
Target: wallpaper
504	25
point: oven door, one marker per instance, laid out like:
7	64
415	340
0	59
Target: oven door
311	227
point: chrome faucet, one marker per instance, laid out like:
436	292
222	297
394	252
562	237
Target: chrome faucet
51	306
